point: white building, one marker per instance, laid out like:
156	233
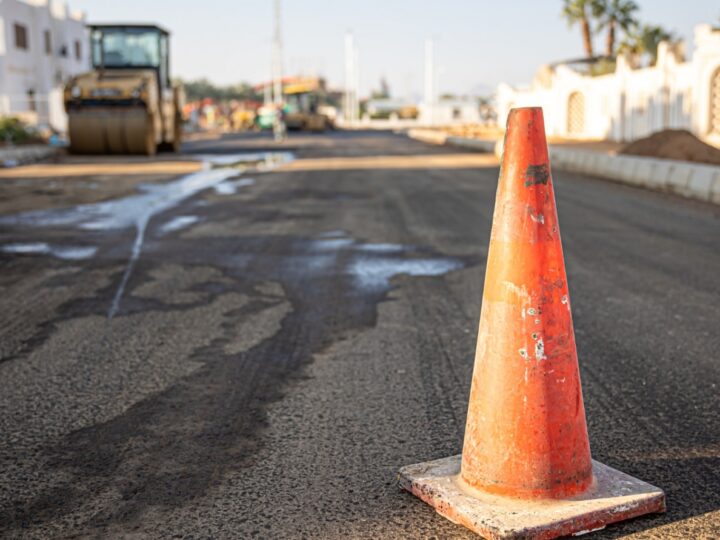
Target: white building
450	111
42	44
629	103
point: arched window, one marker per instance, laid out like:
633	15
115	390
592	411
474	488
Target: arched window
714	127
576	114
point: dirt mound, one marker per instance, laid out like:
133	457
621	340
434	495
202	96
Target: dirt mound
674	144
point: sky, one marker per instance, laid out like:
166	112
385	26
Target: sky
478	43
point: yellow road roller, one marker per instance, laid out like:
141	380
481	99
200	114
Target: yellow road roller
127	104
304	101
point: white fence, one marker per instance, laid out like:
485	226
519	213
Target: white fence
630	103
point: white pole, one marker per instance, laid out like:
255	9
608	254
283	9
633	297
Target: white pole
267	91
356	90
430	80
277	58
349	77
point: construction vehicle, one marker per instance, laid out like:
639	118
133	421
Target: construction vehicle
265	117
127	103
304	101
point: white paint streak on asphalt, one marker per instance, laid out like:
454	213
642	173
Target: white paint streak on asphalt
375	273
178	223
137	210
71	253
229	187
141	225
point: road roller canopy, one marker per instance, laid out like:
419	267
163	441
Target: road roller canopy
123	46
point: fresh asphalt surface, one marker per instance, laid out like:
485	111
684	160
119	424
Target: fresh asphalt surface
282	350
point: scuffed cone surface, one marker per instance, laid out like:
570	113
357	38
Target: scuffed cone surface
526	434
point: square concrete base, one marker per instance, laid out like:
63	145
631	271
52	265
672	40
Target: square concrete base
614	496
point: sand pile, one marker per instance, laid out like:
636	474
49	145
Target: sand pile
674	144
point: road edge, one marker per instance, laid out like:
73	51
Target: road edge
22	155
691	180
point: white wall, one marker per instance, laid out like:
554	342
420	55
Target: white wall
450	111
628	103
34	69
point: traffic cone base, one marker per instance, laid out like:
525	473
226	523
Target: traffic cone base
614	496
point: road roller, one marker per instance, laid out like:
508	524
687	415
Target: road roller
304	103
127	104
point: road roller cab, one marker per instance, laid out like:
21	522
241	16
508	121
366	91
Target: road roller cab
127	104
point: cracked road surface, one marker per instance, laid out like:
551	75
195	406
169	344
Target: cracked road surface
289	336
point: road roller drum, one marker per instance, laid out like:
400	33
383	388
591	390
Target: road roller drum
111	132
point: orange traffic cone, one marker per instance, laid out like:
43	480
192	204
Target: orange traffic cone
525	470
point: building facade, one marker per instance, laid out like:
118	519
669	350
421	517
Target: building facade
630	102
42	44
450	111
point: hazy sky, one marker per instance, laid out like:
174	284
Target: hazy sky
479	43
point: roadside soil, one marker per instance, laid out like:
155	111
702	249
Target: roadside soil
674	144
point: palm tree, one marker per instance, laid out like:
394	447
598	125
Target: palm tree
580	11
614	14
651	37
646	40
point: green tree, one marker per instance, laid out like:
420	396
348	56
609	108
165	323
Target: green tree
203	88
645	41
580	12
614	15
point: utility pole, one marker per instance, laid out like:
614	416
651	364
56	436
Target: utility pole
356	92
277	58
352	76
430	79
267	90
348	114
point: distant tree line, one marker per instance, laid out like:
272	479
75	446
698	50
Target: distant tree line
615	17
203	88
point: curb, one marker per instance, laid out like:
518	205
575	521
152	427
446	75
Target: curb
691	180
429	136
20	155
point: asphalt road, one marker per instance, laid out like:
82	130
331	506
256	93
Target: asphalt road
256	358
